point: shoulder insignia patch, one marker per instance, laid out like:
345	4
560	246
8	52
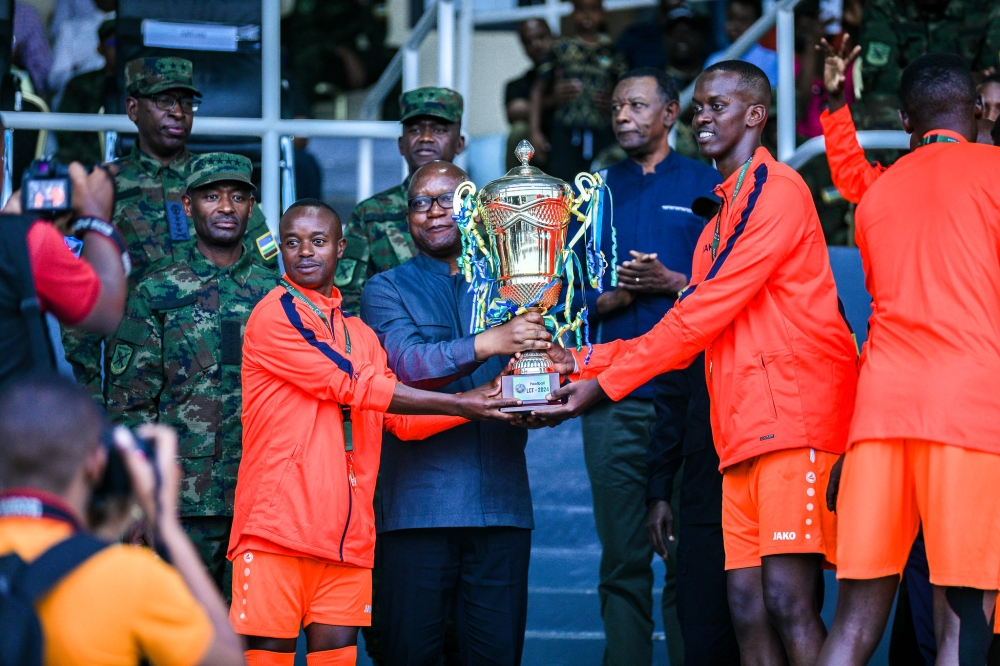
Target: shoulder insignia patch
267	247
878	54
345	272
121	357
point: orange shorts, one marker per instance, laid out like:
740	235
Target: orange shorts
274	595
775	504
888	487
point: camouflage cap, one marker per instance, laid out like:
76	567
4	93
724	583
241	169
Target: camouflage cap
148	76
209	168
441	103
106	29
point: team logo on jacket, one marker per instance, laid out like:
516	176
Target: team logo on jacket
248	557
784	536
120	359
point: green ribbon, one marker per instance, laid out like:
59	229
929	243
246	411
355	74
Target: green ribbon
717	236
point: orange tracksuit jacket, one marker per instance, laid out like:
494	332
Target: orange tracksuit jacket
852	173
293	490
780	360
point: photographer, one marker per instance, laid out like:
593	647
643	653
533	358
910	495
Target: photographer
122	604
86	292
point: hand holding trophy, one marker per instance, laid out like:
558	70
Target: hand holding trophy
521	265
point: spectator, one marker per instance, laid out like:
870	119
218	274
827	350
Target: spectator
536	38
74	48
895	32
740	15
316	395
86	293
336	46
653	192
643	43
161	101
377	234
31	50
990	91
581	124
67	10
685	38
683	436
123	605
456	507
156	375
89	93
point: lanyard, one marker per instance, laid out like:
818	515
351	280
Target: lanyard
937	138
291	289
717	237
345	410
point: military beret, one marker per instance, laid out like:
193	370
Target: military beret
209	168
441	103
148	76
106	29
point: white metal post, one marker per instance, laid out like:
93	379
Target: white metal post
446	43
8	166
553	15
464	67
786	82
288	193
411	68
366	169
270	185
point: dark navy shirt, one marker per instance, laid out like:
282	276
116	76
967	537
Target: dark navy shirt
474	475
652	213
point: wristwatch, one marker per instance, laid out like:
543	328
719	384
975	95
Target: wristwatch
108	230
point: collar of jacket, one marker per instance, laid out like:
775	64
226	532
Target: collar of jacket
153	166
206	270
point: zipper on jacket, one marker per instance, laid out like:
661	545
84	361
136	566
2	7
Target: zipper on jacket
350	508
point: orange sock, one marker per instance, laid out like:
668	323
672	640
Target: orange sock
346	656
265	658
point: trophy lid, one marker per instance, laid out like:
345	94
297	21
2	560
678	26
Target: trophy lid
525	179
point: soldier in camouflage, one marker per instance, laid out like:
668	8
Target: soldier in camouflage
89	93
377	234
151	181
895	32
177	354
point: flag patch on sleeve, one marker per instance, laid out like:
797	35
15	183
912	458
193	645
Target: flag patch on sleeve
267	247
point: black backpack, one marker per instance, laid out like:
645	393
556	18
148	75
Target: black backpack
23	585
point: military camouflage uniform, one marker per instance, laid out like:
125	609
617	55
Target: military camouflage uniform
86	93
150	215
176	360
378	237
895	32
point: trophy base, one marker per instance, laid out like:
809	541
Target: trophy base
530	390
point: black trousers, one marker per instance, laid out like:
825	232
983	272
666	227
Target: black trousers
702	602
482	570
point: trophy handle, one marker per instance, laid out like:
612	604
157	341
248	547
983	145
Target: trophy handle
464	189
585	184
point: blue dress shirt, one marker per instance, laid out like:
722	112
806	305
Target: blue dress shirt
651	213
474	475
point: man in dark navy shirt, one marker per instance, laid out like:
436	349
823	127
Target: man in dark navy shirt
455	517
656	236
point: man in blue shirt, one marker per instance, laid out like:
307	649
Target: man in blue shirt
455	514
656	234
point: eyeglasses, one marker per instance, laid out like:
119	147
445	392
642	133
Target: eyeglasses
166	102
423	204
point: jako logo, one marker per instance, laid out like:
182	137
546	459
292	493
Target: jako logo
784	536
766	437
368	609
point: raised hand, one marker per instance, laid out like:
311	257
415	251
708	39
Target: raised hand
835	66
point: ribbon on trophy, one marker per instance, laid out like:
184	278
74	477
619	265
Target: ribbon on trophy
480	264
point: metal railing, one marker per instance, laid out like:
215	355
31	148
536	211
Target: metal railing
870	139
455	21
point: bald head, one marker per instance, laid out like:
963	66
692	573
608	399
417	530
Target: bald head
48	426
431	208
436	170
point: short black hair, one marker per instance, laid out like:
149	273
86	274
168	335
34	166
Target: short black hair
751	76
309	202
756	5
48	425
665	84
935	85
992	78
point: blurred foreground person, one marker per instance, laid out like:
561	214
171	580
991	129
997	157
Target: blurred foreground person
112	604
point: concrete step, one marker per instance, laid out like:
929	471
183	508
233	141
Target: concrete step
555	609
564	526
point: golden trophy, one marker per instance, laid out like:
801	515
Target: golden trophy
521	267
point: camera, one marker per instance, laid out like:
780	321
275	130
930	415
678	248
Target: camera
116	481
46	188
